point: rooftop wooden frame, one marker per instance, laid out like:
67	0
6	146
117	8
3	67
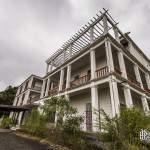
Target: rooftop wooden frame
97	27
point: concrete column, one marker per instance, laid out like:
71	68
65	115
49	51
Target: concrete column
93	64
20	118
114	97
138	76
68	77
26	98
145	103
30	82
148	80
109	56
105	25
61	81
122	64
43	88
15	101
47	87
116	33
47	68
128	97
94	102
91	35
70	51
51	66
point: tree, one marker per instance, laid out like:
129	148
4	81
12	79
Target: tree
123	130
7	96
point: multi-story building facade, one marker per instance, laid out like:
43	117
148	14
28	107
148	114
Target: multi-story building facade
98	68
27	93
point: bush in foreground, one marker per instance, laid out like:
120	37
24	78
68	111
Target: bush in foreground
6	123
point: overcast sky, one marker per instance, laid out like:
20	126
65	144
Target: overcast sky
31	30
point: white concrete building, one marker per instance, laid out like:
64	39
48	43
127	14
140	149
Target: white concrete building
27	93
99	67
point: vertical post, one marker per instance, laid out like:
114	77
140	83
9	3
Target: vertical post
30	83
145	104
47	87
105	25
114	97
68	77
43	88
26	98
51	66
70	51
122	64
91	35
148	80
116	33
94	100
109	55
61	81
20	118
47	68
93	64
138	76
128	97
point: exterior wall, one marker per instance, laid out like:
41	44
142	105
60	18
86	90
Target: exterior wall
104	100
79	102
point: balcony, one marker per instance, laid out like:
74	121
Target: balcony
102	72
82	80
53	91
133	80
37	88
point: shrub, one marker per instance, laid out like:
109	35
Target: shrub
123	130
35	124
6	123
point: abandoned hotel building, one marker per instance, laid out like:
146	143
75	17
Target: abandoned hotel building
99	67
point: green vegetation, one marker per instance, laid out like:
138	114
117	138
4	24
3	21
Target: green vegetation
6	123
123	130
7	97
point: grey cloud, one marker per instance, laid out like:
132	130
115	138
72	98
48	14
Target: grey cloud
31	30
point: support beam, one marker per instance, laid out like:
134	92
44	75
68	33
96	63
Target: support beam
128	97
109	56
122	64
43	88
138	76
61	81
93	64
116	33
148	80
94	101
47	68
105	25
145	104
47	87
114	97
68	77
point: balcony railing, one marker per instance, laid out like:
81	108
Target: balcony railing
147	90
37	88
102	72
117	70
53	91
133	80
82	80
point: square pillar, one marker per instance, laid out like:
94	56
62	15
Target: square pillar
61	81
138	76
114	97
30	83
145	104
47	87
109	56
116	33
122	64
20	118
68	77
43	88
93	64
94	102
148	80
47	68
105	25
128	96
